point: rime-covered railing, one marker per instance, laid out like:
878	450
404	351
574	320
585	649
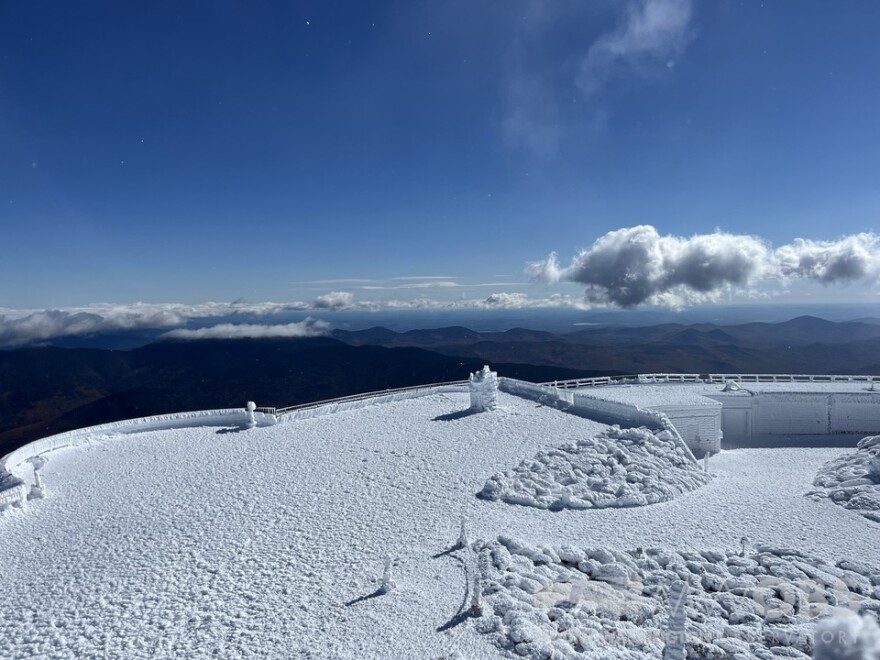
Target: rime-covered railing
706	378
359	397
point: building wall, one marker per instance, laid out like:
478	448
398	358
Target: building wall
699	426
855	413
790	414
799	413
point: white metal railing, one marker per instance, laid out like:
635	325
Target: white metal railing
707	378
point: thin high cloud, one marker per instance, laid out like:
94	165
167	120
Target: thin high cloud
426	277
636	265
651	36
435	284
541	99
308	328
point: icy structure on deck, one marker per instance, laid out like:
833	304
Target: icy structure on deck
38	490
250	418
484	390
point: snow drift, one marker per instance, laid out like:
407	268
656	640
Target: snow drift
853	481
618	468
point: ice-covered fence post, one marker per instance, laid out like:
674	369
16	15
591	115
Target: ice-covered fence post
250	420
477	596
745	541
483	386
706	462
38	491
388	583
462	535
479	558
675	634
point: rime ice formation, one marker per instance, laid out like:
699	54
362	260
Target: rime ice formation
484	390
250	418
13	491
676	632
619	468
388	584
570	603
38	490
853	480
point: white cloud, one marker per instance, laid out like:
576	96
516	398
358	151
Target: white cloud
335	300
46	324
308	328
21	326
636	265
499	300
851	258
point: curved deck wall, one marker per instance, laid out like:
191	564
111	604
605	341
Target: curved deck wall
226	417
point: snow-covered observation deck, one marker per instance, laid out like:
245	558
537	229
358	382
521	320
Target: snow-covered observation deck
198	535
712	411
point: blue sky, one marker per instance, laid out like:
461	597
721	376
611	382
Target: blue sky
186	152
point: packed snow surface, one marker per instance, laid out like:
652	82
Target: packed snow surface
570	602
270	542
617	468
853	480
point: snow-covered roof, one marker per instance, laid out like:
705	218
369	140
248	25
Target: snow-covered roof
667	395
654	395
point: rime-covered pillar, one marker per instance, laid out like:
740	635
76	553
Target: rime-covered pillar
38	491
484	390
675	628
250	420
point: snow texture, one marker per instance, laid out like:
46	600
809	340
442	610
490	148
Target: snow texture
618	468
567	602
853	480
207	542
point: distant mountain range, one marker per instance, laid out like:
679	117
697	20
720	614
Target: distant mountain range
805	344
51	389
48	390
